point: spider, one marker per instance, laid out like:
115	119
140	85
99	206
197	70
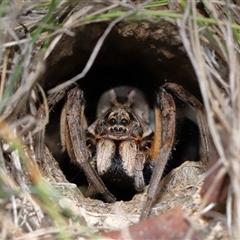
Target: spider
119	147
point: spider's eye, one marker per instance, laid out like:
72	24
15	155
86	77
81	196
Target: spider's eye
124	122
112	121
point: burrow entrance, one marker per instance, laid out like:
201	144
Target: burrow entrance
140	55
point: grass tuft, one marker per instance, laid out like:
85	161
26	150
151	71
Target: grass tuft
29	31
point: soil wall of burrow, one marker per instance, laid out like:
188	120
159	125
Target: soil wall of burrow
142	55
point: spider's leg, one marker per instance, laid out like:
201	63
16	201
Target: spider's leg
76	140
139	182
165	112
187	97
39	137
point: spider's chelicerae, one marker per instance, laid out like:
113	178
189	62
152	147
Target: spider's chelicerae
120	148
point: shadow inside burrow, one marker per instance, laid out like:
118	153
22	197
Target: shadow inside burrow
133	61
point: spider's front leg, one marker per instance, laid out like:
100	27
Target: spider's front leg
165	114
188	98
73	127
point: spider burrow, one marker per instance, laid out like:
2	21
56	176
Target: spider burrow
119	147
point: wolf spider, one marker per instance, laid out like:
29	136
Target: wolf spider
120	147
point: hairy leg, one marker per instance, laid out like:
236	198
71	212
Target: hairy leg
165	112
76	147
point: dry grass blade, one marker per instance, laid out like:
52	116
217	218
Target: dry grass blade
217	70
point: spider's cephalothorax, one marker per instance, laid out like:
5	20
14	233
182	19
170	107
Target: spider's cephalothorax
122	139
119	150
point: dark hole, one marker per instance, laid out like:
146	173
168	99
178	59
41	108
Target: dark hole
122	61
